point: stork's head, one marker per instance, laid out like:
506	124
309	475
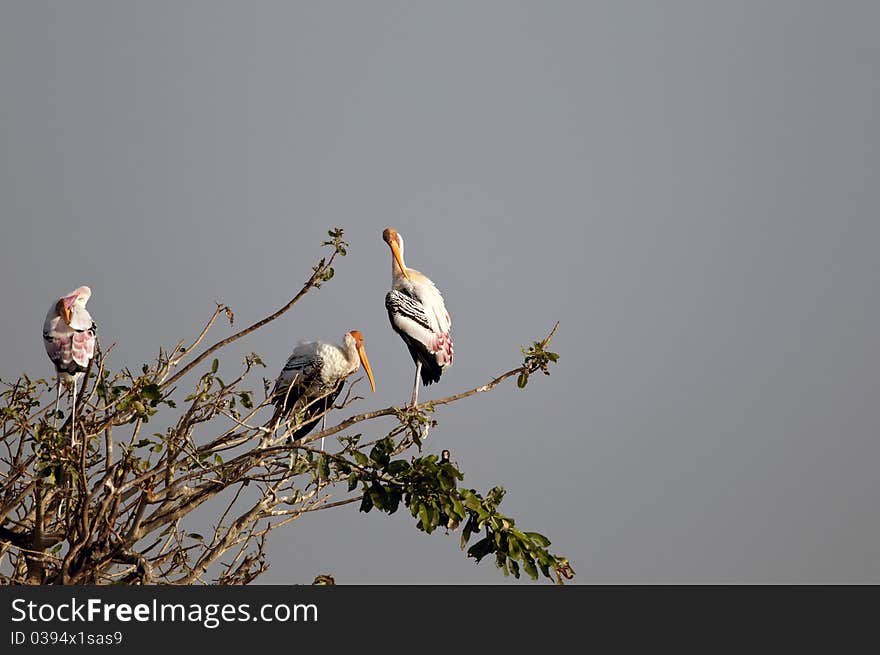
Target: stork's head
74	300
358	339
395	242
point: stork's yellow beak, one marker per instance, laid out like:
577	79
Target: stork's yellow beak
63	310
395	250
366	362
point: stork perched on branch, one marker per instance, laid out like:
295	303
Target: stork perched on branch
417	313
312	379
69	337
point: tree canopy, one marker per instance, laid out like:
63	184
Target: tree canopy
115	509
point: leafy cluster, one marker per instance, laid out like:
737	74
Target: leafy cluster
537	358
428	487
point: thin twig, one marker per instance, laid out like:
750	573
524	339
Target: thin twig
316	275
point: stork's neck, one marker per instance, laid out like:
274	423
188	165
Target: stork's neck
396	271
349	349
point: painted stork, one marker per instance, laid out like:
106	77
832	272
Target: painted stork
313	377
69	337
417	313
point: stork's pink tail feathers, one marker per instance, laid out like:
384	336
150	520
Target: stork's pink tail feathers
442	349
83	347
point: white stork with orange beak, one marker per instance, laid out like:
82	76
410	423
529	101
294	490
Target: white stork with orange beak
313	377
69	337
418	314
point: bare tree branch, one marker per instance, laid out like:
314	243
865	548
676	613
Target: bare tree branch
318	274
115	509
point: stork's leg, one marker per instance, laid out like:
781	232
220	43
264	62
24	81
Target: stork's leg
415	393
57	400
324	422
73	443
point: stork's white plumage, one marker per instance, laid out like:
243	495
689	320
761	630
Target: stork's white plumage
69	338
313	377
418	314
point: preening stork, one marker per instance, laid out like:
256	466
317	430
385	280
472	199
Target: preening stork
313	377
69	337
417	313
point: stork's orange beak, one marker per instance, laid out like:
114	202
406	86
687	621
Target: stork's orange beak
395	250
63	310
366	362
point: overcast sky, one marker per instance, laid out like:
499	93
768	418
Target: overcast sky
690	188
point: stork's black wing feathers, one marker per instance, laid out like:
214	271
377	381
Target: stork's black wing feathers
308	401
316	409
399	302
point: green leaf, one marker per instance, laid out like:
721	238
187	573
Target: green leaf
392	501
361	459
538	538
529	567
522	380
352	480
323	468
471	501
398	466
458	508
501	563
152	393
377	496
379	453
451	471
426	521
366	503
215	365
196	536
513	547
480	549
466	532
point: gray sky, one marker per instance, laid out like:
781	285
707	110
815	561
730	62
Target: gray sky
691	188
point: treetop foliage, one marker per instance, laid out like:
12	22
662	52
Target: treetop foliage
116	508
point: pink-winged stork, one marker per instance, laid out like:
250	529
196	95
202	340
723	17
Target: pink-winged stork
69	337
313	377
418	314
